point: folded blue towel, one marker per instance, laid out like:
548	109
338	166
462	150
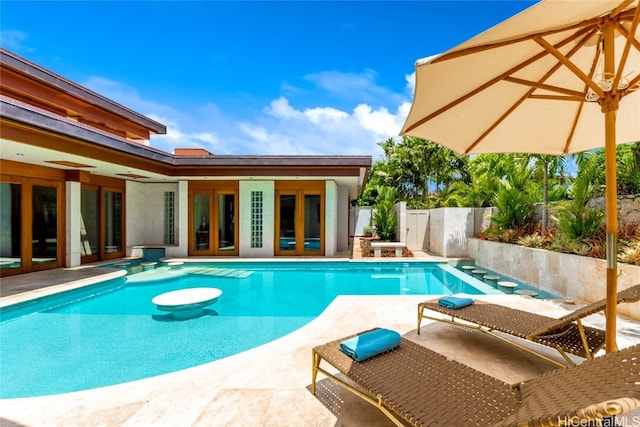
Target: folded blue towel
455	302
369	344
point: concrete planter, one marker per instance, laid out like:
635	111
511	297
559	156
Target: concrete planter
571	276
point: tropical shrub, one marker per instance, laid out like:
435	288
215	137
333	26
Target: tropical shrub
514	202
536	240
574	220
385	219
630	253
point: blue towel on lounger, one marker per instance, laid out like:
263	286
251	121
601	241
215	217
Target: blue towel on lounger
454	302
369	344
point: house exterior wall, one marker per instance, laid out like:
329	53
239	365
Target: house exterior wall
145	214
74	224
343	219
182	222
145	217
268	218
330	218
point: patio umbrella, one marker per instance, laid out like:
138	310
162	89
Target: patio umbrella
560	77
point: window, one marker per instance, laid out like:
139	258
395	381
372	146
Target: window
169	218
256	219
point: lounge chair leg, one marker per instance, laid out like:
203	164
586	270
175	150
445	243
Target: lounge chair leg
315	362
583	337
420	313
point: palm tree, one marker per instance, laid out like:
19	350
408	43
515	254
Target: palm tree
547	165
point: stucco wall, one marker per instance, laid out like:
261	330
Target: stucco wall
74	224
342	219
449	230
363	217
145	213
268	217
570	276
330	218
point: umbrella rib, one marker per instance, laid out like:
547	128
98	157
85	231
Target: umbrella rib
571	66
558	98
621	8
623	30
626	49
496	79
574	125
539	85
632	83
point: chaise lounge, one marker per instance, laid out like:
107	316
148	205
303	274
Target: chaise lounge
566	334
415	385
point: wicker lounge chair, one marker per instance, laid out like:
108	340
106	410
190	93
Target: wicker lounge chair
566	334
418	386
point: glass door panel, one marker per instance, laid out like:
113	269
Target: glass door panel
312	222
44	227
201	215
90	225
226	222
287	232
112	222
10	225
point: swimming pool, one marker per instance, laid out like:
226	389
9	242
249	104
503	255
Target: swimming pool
111	333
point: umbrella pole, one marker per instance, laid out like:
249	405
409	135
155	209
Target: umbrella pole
610	108
612	230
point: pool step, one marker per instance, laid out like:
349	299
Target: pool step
222	272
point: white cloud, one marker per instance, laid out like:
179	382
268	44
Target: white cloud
318	115
379	121
281	108
411	82
280	129
14	40
346	85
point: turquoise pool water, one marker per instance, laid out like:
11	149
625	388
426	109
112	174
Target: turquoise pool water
111	333
522	286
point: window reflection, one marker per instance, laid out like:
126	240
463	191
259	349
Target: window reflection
201	217
10	225
312	222
44	224
226	213
112	222
89	223
287	222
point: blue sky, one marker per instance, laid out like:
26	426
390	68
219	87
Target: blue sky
242	77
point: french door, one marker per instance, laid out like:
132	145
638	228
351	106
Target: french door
213	224
299	220
102	223
32	220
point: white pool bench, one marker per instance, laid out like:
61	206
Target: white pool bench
377	248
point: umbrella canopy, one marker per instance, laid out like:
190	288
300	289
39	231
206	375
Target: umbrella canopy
560	77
